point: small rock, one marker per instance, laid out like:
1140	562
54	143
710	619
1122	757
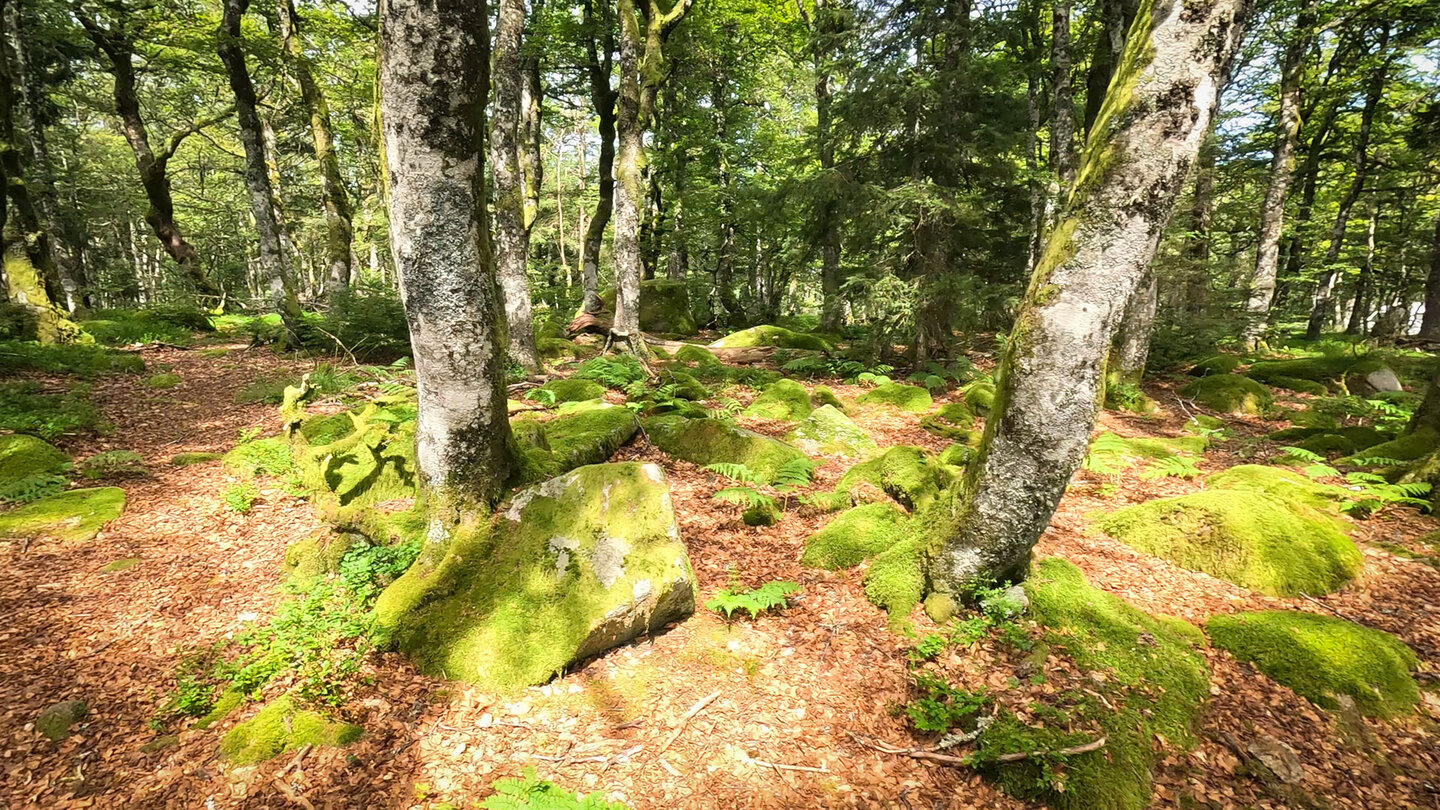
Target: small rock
1280	758
54	721
1381	380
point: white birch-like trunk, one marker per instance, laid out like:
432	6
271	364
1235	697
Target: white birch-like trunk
511	235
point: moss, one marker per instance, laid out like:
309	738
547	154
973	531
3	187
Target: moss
1125	453
163	380
568	390
589	435
979	396
777	336
1408	447
1294	434
574	566
940	608
895	579
906	473
822	395
1288	486
23	456
1229	393
1328	444
315	557
828	430
690	353
1215	364
1364	437
1248	538
1298	385
120	565
54	721
957	455
952	420
187	459
1329	372
782	399
1202	423
910	398
262	457
229	700
72	517
558	348
279	727
1322	657
326	428
664	307
854	536
372	463
684	385
765	513
1154	684
711	441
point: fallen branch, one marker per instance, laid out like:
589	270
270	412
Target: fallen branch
780	766
684	721
932	756
1350	619
1093	745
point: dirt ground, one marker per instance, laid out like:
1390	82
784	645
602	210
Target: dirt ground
766	714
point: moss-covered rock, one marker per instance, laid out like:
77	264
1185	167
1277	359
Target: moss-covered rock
911	398
1229	393
570	389
574	566
828	430
854	536
1115	452
697	355
589	435
1251	539
979	396
279	727
312	559
1203	423
1408	447
1299	386
1328	444
764	513
1290	487
1322	657
895	579
782	399
54	721
23	456
664	307
1154	685
373	462
324	428
558	348
1329	371
187	459
1215	364
957	455
712	441
776	336
684	385
822	395
906	473
72	517
952	420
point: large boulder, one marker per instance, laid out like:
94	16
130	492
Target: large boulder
664	307
715	441
910	398
777	336
574	566
23	456
828	430
782	399
1229	393
1375	381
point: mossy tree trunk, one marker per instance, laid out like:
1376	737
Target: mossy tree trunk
433	86
1430	326
512	242
600	49
1144	141
275	274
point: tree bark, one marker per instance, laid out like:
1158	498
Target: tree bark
1360	313
152	165
1430	323
1062	116
1115	21
1197	247
511	236
433	88
1142	147
339	231
273	261
604	100
1132	342
822	30
1272	210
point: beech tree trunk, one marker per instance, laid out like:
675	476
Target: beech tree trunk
604	99
1197	247
1132	341
1062	117
1430	323
432	83
333	195
275	274
1141	149
1360	312
511	236
1272	210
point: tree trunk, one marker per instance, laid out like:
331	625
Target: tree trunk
1117	15
1360	313
725	239
1197	248
1062	118
530	129
273	261
1430	324
152	165
432	82
822	31
1132	342
339	232
1375	88
1143	144
1272	210
511	236
34	235
604	99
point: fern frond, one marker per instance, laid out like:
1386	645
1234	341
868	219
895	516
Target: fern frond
736	472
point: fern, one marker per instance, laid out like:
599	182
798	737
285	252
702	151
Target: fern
33	488
533	793
1107	455
1361	478
1171	467
826	501
746	496
612	372
1376	461
1320	471
1299	455
770	596
794	473
735	472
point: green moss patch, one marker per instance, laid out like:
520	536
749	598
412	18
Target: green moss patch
910	398
120	565
1299	386
664	307
262	457
573	567
54	721
373	462
186	459
587	435
72	517
828	430
697	355
23	456
777	336
823	395
1248	538
854	536
1329	372
567	390
1154	683
1229	393
558	348
711	441
314	558
952	420
906	473
1410	447
979	396
782	399
281	727
1285	485
1217	364
1322	657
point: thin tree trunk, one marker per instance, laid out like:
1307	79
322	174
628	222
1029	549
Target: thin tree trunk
1132	342
511	236
273	261
1360	313
1062	117
432	80
530	129
604	100
1049	379
1110	44
1032	37
1430	323
821	24
339	232
1197	248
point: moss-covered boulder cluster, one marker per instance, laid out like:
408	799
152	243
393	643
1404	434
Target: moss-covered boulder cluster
828	430
1229	393
715	441
664	307
776	336
283	726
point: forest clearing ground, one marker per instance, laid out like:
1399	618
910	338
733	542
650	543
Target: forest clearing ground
793	688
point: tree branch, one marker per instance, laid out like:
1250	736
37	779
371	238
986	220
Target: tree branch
204	123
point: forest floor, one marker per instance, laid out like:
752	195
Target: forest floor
769	713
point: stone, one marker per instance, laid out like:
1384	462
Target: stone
1379	381
829	430
713	441
1280	758
54	721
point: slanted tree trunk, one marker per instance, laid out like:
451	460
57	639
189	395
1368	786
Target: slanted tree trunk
152	165
530	129
1272	210
642	71
339	233
1430	323
1140	151
274	268
511	236
1197	247
432	83
601	38
1132	340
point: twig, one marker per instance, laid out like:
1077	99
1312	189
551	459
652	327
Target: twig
780	766
1093	745
684	721
926	754
1350	619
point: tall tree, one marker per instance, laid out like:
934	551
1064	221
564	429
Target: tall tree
1142	146
275	274
433	86
1430	325
1062	116
600	53
334	196
821	22
512	243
